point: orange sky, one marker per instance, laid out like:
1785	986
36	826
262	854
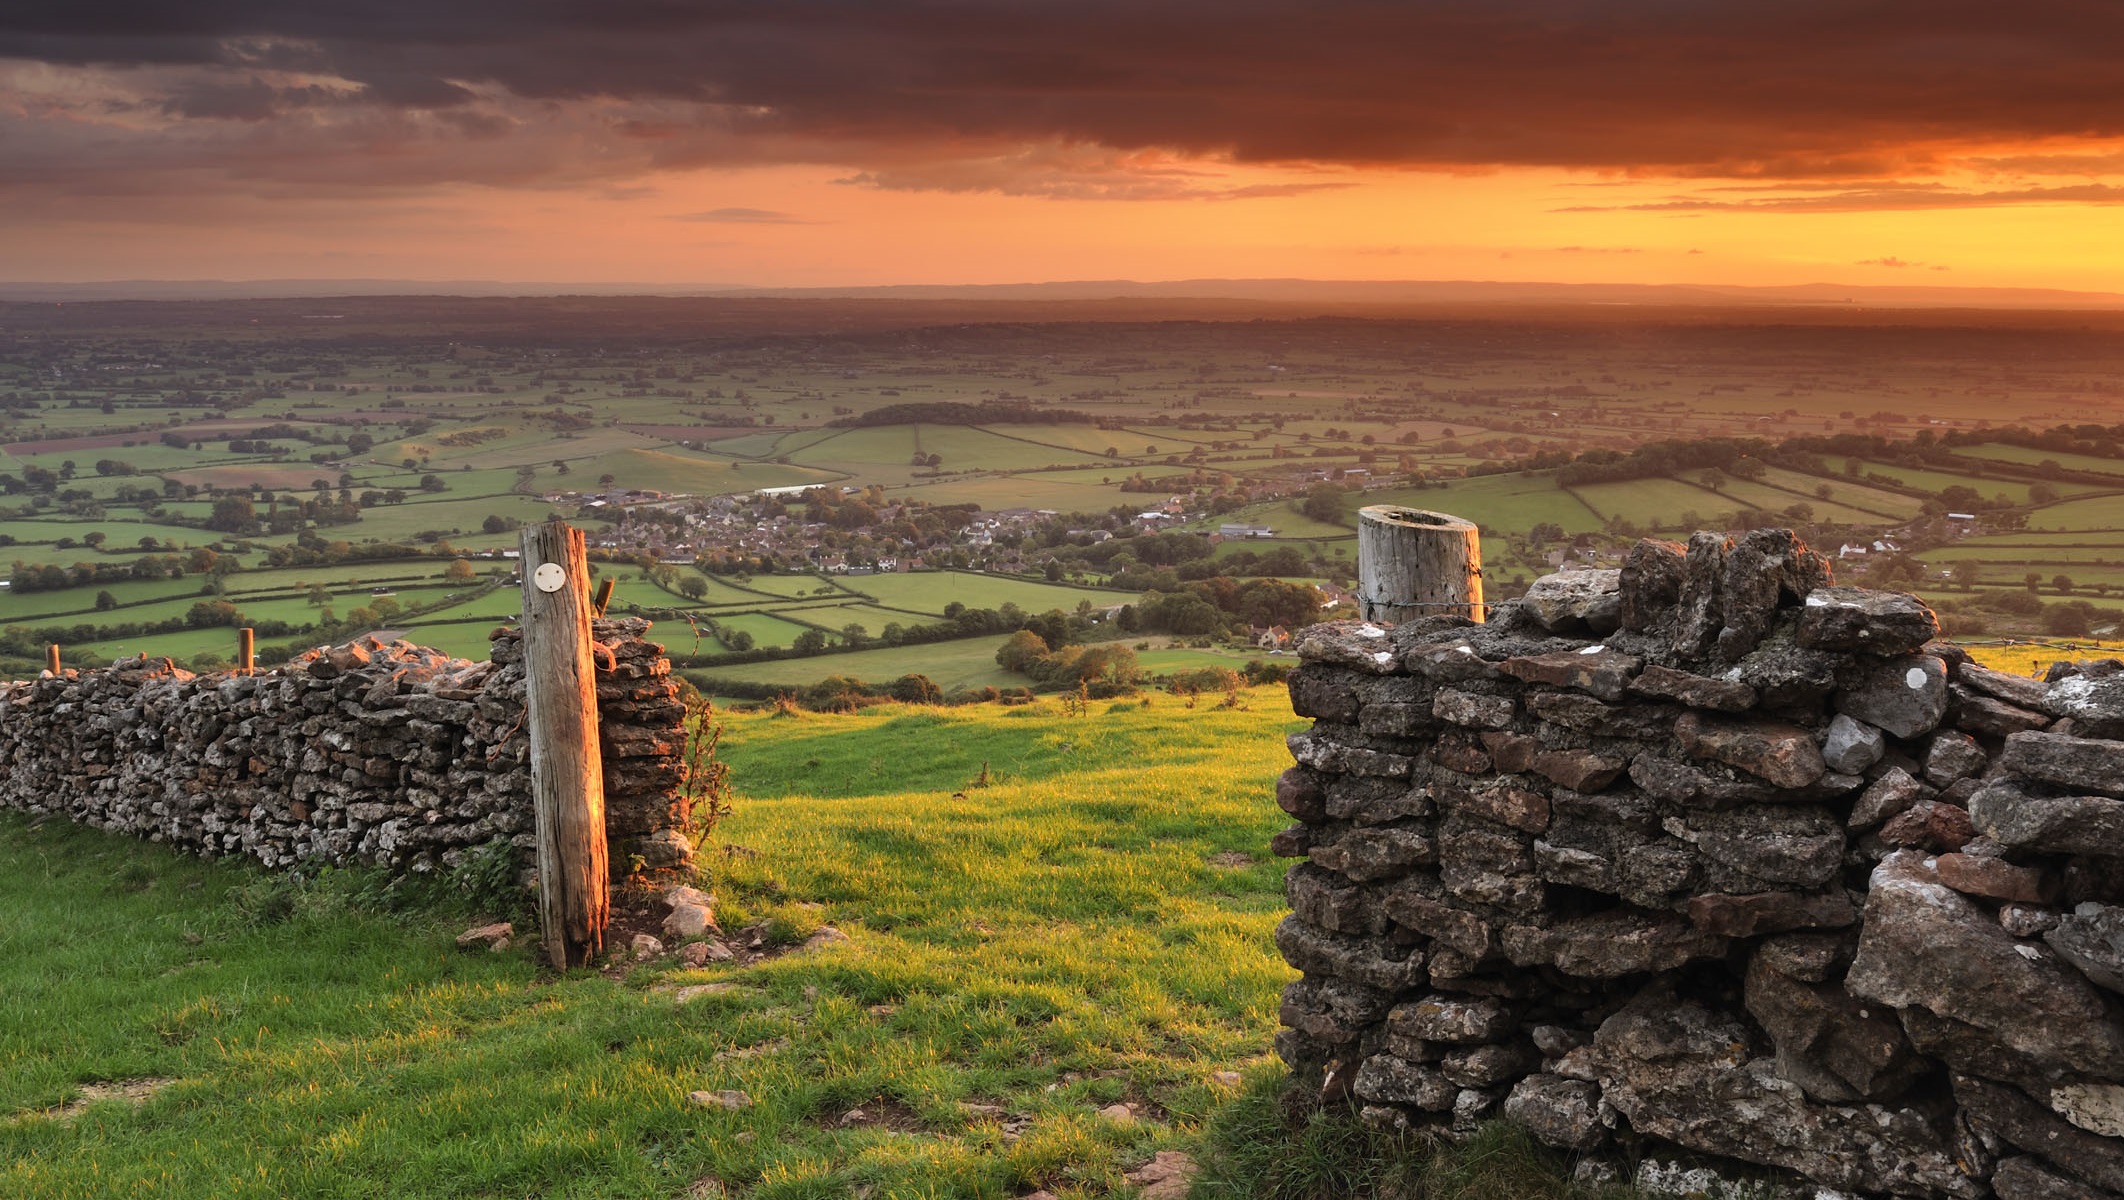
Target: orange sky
875	142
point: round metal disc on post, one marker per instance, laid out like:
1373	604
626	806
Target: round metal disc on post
1412	563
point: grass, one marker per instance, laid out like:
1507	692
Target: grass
1061	940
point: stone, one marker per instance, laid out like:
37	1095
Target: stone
1853	619
1951	757
1324	750
1573	601
1810	957
2009	815
1780	753
1893	792
1649	583
1371	961
1373	800
1501	802
1510	753
2094	703
1980	714
1852	746
1300	793
1564	1113
1796	845
1457	1021
2077	763
1759	913
1934	825
1455	927
1923	945
2025	1177
1610	944
1905	695
1167	1176
1119	1114
1679	1071
1367	853
1488	1066
2091	938
1471	710
645	946
731	1099
2007	1114
1330	1009
1696	691
1325	692
1994	878
1836	1048
1587	715
1699	612
1453	661
1579	770
1766	569
1359	645
820	939
700	954
1386	1079
2094	1107
2024	920
1595	670
2017	690
692	912
495	937
1325	900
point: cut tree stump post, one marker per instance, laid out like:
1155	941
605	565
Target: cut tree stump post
1412	563
51	658
567	773
246	645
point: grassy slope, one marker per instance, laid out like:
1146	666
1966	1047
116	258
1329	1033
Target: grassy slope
1065	928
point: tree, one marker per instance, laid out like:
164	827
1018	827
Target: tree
232	514
1323	503
916	689
105	602
737	639
1968	573
1054	570
1021	650
496	523
2062	584
459	571
693	587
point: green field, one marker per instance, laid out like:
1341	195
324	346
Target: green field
1505	503
930	591
2089	513
2028	457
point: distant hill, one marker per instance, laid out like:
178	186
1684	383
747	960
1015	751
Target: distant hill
1281	292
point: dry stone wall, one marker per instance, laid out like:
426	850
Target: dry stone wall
1711	853
376	753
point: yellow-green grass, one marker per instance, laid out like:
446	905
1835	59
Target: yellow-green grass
1283	516
1503	503
1095	922
2014	490
2088	513
1648	502
1879	503
2032	658
765	630
965	662
2029	456
676	471
1776	500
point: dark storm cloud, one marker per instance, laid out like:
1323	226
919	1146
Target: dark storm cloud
905	89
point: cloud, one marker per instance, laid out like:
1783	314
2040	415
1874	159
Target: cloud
1886	261
964	94
1878	199
742	216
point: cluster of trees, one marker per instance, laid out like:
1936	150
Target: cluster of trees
946	412
1108	668
22	642
1738	457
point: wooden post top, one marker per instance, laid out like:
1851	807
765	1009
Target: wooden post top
1395	514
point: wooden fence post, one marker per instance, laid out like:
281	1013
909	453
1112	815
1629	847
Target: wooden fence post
246	645
567	773
1412	563
51	658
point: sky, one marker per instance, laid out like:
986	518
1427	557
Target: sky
854	142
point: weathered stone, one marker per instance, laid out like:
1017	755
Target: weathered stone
1371	961
1332	756
1758	913
1367	853
1678	1071
1299	793
2094	703
1564	1113
1798	846
1374	800
1587	715
1923	945
1994	878
1332	1010
1989	717
1327	900
1951	757
1574	601
2017	690
1906	695
2024	920
2094	1107
1764	570
495	937
2026	1177
2092	939
2078	763
1449	926
1595	670
1893	792
1385	1079
1359	645
1488	1066
1454	661
1810	957
1610	944
1579	770
1699	612
1934	825
1471	710
1453	1020
1696	691
1783	754
1649	582
1834	1047
1852	746
1853	619
1459	752
2009	815
1326	692
1499	802
2010	1116
1680	783
1511	753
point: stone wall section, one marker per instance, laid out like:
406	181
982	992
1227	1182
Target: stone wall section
1710	852
373	753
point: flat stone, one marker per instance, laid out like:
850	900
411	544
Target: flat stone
1488	1066
1454	661
1595	670
1443	923
2091	938
1564	1113
1365	854
1952	757
1611	944
1990	717
1500	802
1905	695
1573	601
2006	1113
1796	845
1649	582
1167	1176
2009	815
1836	1048
1326	692
1327	900
1371	961
1453	1020
2094	1107
495	937
1511	753
1994	878
1760	913
1579	770
1696	691
1471	710
1458	752
2094	703
2026	1177
1934	825
728	1099
1852	746
2017	690
1784	754
1386	1079
1850	620
1359	645
1923	945
2082	764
